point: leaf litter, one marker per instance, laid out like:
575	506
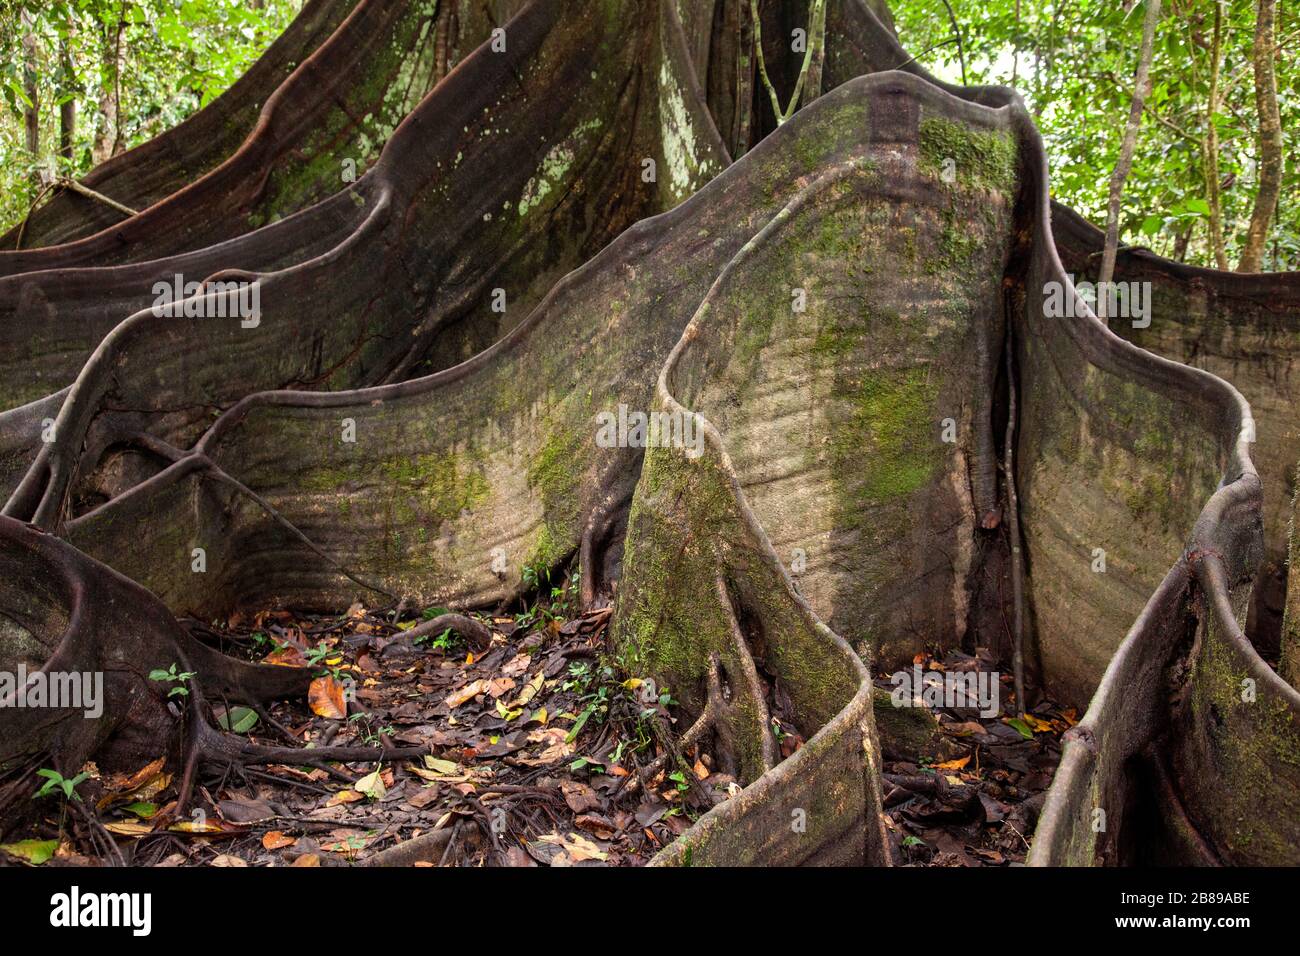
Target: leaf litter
532	744
975	797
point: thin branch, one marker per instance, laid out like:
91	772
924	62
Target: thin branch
961	46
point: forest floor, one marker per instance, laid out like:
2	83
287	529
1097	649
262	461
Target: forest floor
536	742
541	753
974	797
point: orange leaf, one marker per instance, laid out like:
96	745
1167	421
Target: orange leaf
287	656
473	689
344	796
325	695
275	840
953	764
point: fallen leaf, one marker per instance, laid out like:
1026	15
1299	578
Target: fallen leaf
287	656
275	840
128	828
206	828
1019	726
579	796
953	764
372	785
530	690
244	810
344	796
577	848
472	689
595	824
325	695
517	665
34	852
579	724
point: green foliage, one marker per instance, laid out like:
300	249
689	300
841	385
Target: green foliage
172	676
240	720
563	600
56	782
158	61
154	62
448	640
1074	65
327	658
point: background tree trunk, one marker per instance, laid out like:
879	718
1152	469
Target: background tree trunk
1269	142
108	137
67	90
1125	162
1210	146
32	109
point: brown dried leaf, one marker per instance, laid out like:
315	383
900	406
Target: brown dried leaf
470	690
325	695
276	840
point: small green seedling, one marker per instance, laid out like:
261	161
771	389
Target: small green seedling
170	676
55	781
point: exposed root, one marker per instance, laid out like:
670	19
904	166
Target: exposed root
426	848
212	469
475	632
1013	528
753	686
219	747
711	720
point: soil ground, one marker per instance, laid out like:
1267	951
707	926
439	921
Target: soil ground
539	749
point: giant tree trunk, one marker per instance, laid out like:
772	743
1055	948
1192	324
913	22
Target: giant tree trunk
834	311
